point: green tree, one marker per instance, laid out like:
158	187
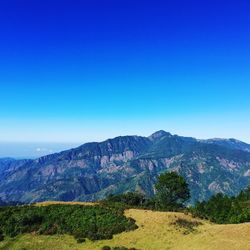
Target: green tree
171	191
223	209
130	198
219	207
244	195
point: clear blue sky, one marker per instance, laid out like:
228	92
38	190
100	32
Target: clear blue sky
76	71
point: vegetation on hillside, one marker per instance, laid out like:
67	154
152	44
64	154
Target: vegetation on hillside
92	222
156	230
223	209
172	193
104	220
127	200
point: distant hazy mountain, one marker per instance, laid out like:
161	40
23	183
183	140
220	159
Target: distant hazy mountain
230	143
8	165
128	163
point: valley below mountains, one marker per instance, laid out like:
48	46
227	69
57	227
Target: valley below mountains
128	163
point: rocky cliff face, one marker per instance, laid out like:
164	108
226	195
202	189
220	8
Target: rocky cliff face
129	163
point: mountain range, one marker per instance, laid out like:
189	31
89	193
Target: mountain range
128	163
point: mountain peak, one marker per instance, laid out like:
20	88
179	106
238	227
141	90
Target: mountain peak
158	135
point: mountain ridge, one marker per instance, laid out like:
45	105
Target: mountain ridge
127	163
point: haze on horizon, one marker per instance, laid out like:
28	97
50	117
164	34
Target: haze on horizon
73	72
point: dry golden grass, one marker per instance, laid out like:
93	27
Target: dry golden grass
47	203
156	231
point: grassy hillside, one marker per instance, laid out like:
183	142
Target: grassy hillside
157	230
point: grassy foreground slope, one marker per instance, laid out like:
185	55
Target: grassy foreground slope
157	230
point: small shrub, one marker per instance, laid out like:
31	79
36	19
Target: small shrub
80	240
123	248
106	248
187	225
130	199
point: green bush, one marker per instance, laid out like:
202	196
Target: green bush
222	209
81	240
120	248
130	199
117	248
187	225
106	248
93	222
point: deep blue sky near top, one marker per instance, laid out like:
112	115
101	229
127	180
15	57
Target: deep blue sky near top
74	71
